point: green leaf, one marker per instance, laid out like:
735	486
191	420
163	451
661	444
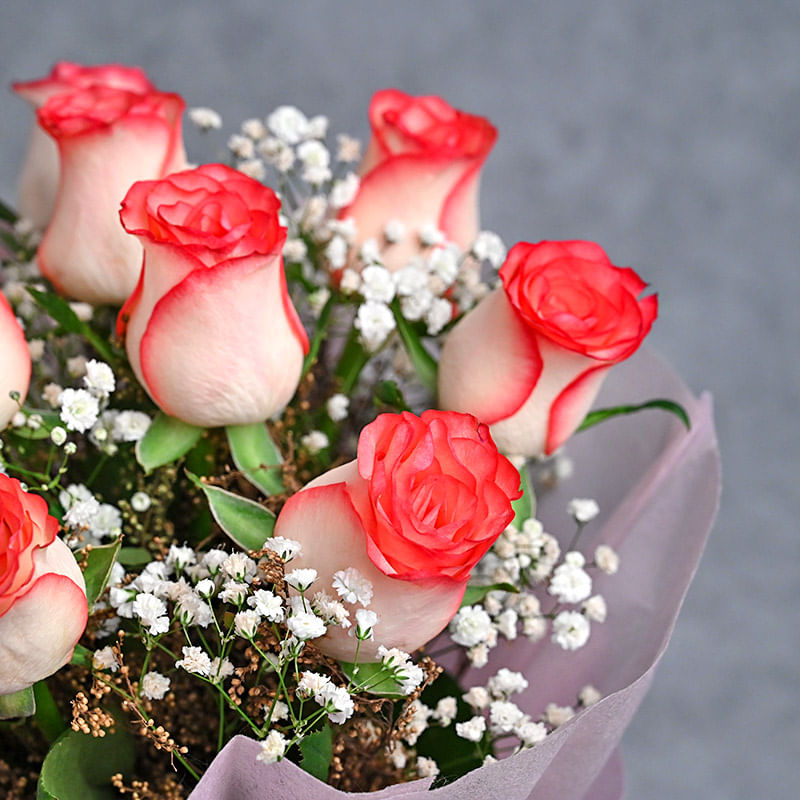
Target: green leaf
387	393
99	561
475	594
48	716
18	704
316	750
59	309
82	656
166	440
353	359
372	678
7	214
247	523
256	456
593	417
134	556
79	766
525	507
424	363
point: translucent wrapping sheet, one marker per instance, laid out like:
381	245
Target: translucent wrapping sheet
658	489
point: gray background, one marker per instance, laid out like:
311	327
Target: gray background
668	132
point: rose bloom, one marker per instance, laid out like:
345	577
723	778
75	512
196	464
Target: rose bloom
15	362
530	358
107	139
210	330
43	608
39	177
424	500
422	167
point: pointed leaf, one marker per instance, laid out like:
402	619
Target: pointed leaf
525	507
134	556
475	594
99	561
247	523
372	678
593	417
316	750
82	656
17	704
256	456
387	393
424	363
79	767
166	440
48	716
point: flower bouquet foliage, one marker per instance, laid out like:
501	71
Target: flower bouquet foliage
285	508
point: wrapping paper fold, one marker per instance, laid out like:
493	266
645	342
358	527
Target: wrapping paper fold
658	490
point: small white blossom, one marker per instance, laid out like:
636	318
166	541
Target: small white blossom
79	409
350	282
246	623
570	583
416	306
370	253
534	628
287	549
58	436
140	502
504	716
331	611
269	605
443	262
317	127
377	284
253	167
557	715
219	670
588	695
254	128
241	146
530	732
470	626
152	611
306	626
489	246
288	123
595	608
507	623
410	280
416	722
155	685
430	235
76	366
180	557
130	426
206	588
346	228
105	659
239	567
81	513
301	579
35	349
51	393
99	378
277	711
394	231
472	730
344	191
316	160
83	311
426	767
337	407
365	622
272	748
438	315
445	711
295	250
583	510
213	560
349	148
506	682
337	702
570	630
107	521
477	697
336	252
312	684
352	586
195	660
205	118
606	559
398	755
376	322
233	592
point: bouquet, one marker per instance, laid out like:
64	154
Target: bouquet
290	501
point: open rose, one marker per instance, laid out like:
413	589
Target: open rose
424	500
530	358
210	330
107	139
15	362
39	177
422	167
43	607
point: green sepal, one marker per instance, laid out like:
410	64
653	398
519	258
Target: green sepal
99	561
593	417
166	440
387	393
79	766
474	594
246	523
316	752
256	456
372	678
424	363
525	507
18	704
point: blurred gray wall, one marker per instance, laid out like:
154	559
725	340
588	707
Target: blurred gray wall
666	131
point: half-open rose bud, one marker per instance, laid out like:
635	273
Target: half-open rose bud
424	500
530	358
15	362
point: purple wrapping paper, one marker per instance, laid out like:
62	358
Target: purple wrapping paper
658	490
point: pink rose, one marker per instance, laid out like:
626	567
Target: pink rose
424	500
210	330
38	182
107	139
530	358
15	362
43	608
422	167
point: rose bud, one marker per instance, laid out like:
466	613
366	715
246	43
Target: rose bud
15	363
530	358
422	167
39	177
424	500
43	608
107	139
210	330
